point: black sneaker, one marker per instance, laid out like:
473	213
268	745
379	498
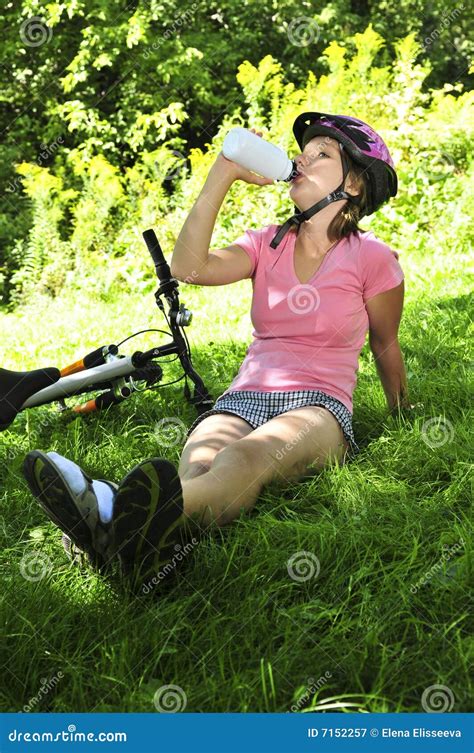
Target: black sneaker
74	553
76	514
149	525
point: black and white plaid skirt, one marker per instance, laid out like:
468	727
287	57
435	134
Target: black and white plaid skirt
259	407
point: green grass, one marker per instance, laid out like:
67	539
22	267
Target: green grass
235	632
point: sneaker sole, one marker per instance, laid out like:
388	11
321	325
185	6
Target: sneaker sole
57	500
148	518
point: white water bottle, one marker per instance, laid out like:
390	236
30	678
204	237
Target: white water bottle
254	153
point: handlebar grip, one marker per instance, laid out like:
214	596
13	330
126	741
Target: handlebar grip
161	265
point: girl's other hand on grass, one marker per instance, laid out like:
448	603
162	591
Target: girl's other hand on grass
406	410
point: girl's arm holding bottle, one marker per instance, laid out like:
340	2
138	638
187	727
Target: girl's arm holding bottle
191	260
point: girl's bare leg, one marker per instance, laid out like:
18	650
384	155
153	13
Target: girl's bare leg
208	438
282	449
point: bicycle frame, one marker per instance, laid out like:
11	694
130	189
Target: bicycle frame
104	366
75	384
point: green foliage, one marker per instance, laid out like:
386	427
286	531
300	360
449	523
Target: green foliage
42	258
116	165
429	134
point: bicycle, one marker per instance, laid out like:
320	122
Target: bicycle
107	374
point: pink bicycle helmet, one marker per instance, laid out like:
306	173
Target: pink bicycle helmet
364	146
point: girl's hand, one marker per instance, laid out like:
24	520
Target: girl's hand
237	172
406	409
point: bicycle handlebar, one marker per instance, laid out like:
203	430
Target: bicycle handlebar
169	288
161	265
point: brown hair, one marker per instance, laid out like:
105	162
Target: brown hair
347	219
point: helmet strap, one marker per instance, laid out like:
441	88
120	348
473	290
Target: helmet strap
299	217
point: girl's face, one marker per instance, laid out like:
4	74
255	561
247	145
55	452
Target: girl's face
320	169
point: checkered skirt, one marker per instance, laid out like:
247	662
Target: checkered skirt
258	407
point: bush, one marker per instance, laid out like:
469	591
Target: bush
86	214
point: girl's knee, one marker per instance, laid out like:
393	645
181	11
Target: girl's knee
209	438
237	455
188	470
253	459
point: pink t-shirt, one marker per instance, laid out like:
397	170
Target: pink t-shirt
309	336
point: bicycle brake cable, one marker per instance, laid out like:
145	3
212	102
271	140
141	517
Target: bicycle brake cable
155	386
141	332
164	332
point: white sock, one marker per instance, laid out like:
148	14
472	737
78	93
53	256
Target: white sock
105	500
75	478
71	472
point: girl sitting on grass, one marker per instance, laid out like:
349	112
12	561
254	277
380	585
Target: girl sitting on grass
289	409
